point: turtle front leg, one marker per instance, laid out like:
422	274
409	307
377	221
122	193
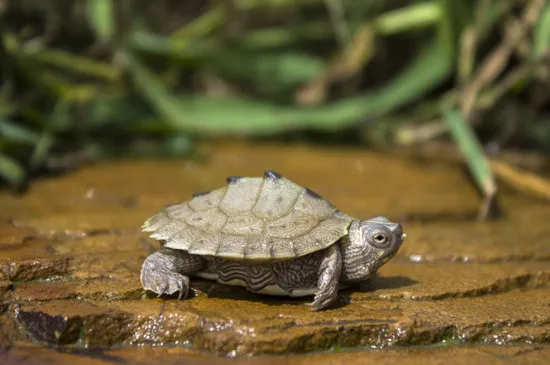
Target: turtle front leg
329	275
162	272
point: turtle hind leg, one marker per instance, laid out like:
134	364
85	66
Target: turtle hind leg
163	272
327	282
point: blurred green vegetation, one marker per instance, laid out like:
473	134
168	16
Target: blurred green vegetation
90	79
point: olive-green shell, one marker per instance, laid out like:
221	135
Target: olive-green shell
267	218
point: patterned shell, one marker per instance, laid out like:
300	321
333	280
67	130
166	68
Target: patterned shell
262	219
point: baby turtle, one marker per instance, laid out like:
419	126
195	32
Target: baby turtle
268	235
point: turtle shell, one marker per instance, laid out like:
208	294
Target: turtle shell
251	218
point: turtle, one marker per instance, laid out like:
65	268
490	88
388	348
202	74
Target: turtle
269	235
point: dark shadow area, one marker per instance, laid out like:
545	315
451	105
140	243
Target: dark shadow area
376	283
386	282
214	290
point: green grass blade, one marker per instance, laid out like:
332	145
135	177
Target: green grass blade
172	47
541	38
472	150
11	171
203	25
17	133
72	63
420	15
283	36
100	15
270	70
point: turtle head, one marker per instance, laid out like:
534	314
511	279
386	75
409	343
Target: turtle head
370	244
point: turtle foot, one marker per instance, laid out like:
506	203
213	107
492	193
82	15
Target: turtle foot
157	278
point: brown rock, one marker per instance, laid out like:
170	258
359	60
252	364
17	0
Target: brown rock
33	269
71	252
443	280
271	326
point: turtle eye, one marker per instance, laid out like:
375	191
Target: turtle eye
380	239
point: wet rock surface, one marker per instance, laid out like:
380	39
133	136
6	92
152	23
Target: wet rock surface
71	252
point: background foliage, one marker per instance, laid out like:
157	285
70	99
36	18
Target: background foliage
88	79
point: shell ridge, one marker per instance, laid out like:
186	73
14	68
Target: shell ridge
258	194
260	191
302	193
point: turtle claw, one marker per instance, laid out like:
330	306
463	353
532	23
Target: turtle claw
183	287
180	291
166	282
322	300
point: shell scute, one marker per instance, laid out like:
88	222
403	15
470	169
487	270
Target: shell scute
243	225
209	221
282	249
155	222
233	246
178	210
241	195
308	204
207	201
206	244
258	247
304	244
183	239
169	229
326	232
291	225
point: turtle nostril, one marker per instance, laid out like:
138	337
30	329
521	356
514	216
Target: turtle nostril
398	230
